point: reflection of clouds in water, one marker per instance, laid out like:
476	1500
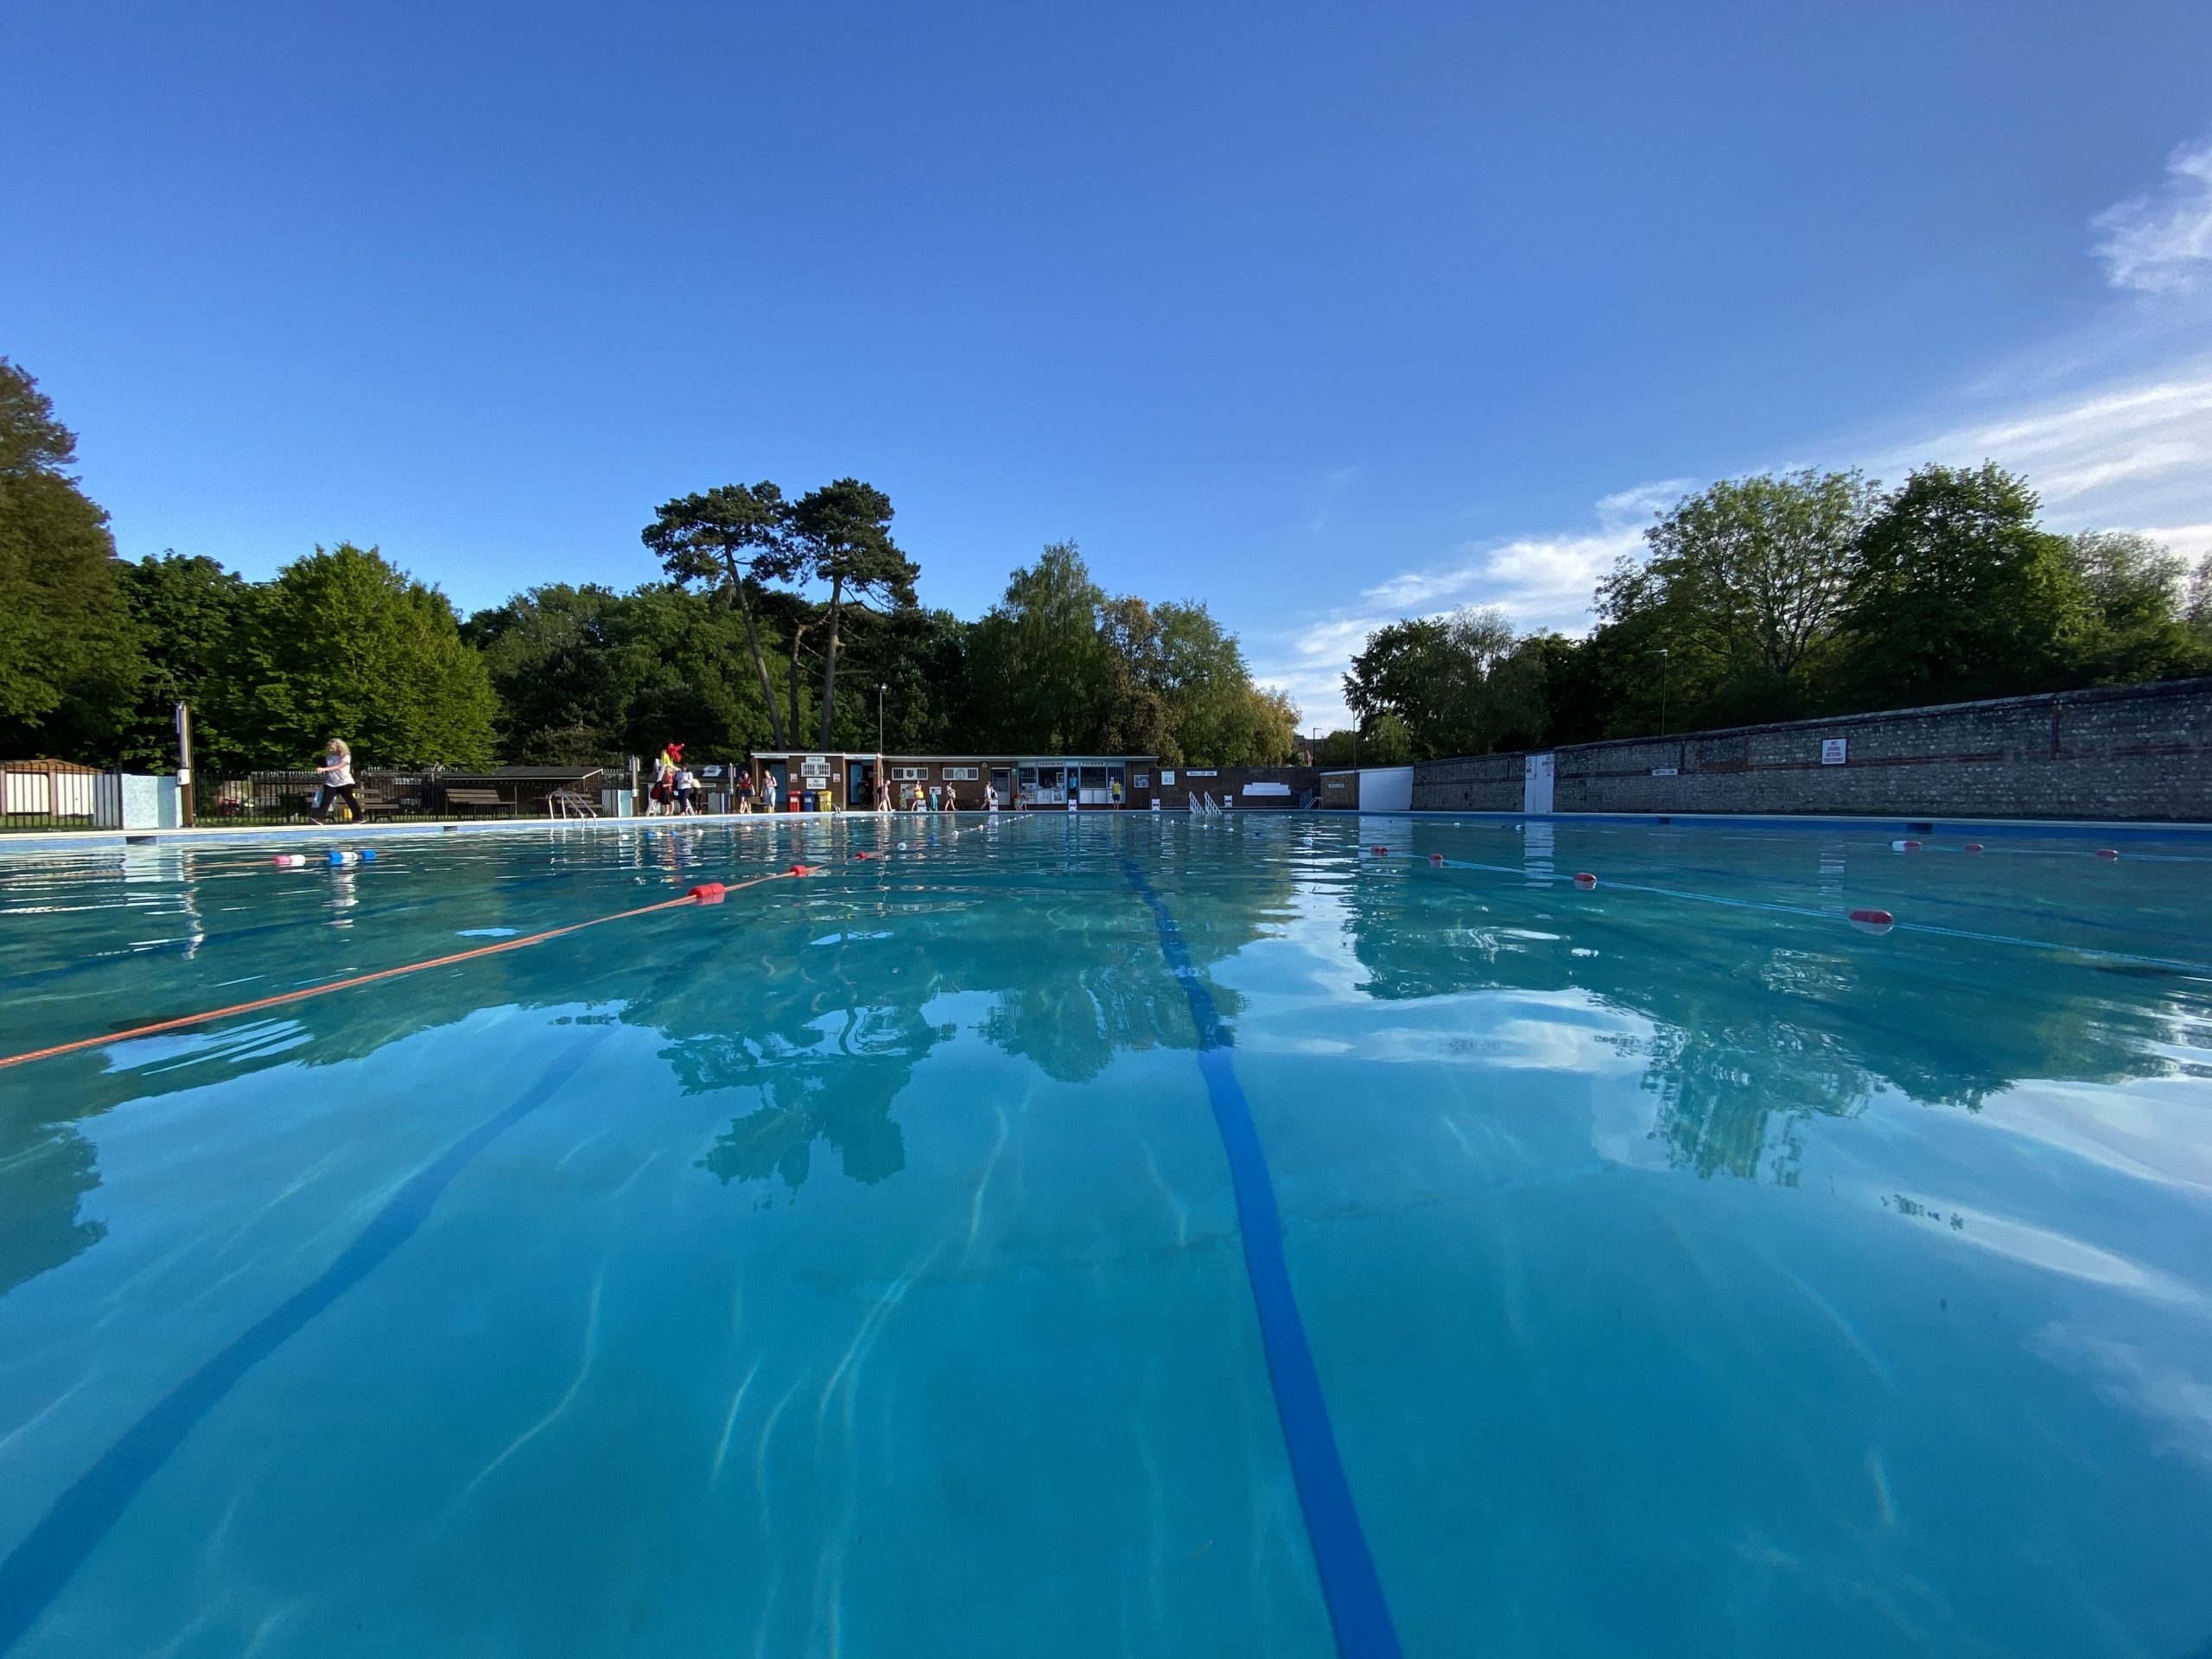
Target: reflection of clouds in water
2177	1400
2045	1247
163	1051
2154	1130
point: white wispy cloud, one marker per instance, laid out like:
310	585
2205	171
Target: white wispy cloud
2116	454
1539	582
2160	242
2108	443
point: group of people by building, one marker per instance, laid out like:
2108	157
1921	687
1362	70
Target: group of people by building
675	789
932	797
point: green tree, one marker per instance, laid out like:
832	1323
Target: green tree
343	645
2140	624
1039	660
921	659
2197	611
186	610
1957	595
1440	678
585	674
737	538
842	530
1749	578
1388	740
69	656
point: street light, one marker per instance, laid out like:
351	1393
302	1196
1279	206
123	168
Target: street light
1662	690
878	725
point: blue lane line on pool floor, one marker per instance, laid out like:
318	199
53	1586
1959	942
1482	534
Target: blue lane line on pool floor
1357	1612
40	1567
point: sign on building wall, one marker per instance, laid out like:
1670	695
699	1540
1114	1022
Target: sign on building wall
813	766
1832	751
1166	777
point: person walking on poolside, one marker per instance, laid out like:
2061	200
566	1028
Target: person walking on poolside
686	792
990	797
335	772
743	793
882	795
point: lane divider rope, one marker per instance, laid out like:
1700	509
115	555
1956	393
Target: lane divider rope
1772	908
707	894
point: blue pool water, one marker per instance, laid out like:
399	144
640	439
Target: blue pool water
993	1249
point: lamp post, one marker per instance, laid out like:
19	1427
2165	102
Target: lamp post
1662	690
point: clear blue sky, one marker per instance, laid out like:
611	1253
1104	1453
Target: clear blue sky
1319	316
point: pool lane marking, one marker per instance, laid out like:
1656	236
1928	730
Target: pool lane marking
1832	916
1357	1612
41	1567
183	1020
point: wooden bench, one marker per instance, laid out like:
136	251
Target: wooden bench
475	800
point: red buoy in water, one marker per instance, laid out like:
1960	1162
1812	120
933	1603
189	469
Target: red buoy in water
1970	847
1436	859
1872	921
708	892
1904	846
1584	879
1380	852
2108	852
806	869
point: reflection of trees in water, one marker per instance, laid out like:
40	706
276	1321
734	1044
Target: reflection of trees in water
1752	1031
826	1034
44	1177
778	1139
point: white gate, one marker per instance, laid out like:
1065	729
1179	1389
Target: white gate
1536	783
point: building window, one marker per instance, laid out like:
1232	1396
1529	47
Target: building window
909	774
960	774
1142	780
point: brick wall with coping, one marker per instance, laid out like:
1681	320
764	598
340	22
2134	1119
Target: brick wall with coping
2135	752
1229	782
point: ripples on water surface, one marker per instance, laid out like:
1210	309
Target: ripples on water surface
853	1267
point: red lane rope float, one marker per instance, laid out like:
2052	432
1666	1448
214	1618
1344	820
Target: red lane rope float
711	893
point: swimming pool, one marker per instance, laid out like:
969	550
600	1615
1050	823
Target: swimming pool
921	1258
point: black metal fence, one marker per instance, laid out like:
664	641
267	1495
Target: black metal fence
46	795
298	796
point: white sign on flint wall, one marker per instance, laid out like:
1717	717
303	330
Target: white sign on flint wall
1832	751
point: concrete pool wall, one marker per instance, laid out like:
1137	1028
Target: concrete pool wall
2120	754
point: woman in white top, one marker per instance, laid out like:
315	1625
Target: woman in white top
336	772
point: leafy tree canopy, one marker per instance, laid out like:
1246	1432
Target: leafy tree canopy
69	655
342	644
